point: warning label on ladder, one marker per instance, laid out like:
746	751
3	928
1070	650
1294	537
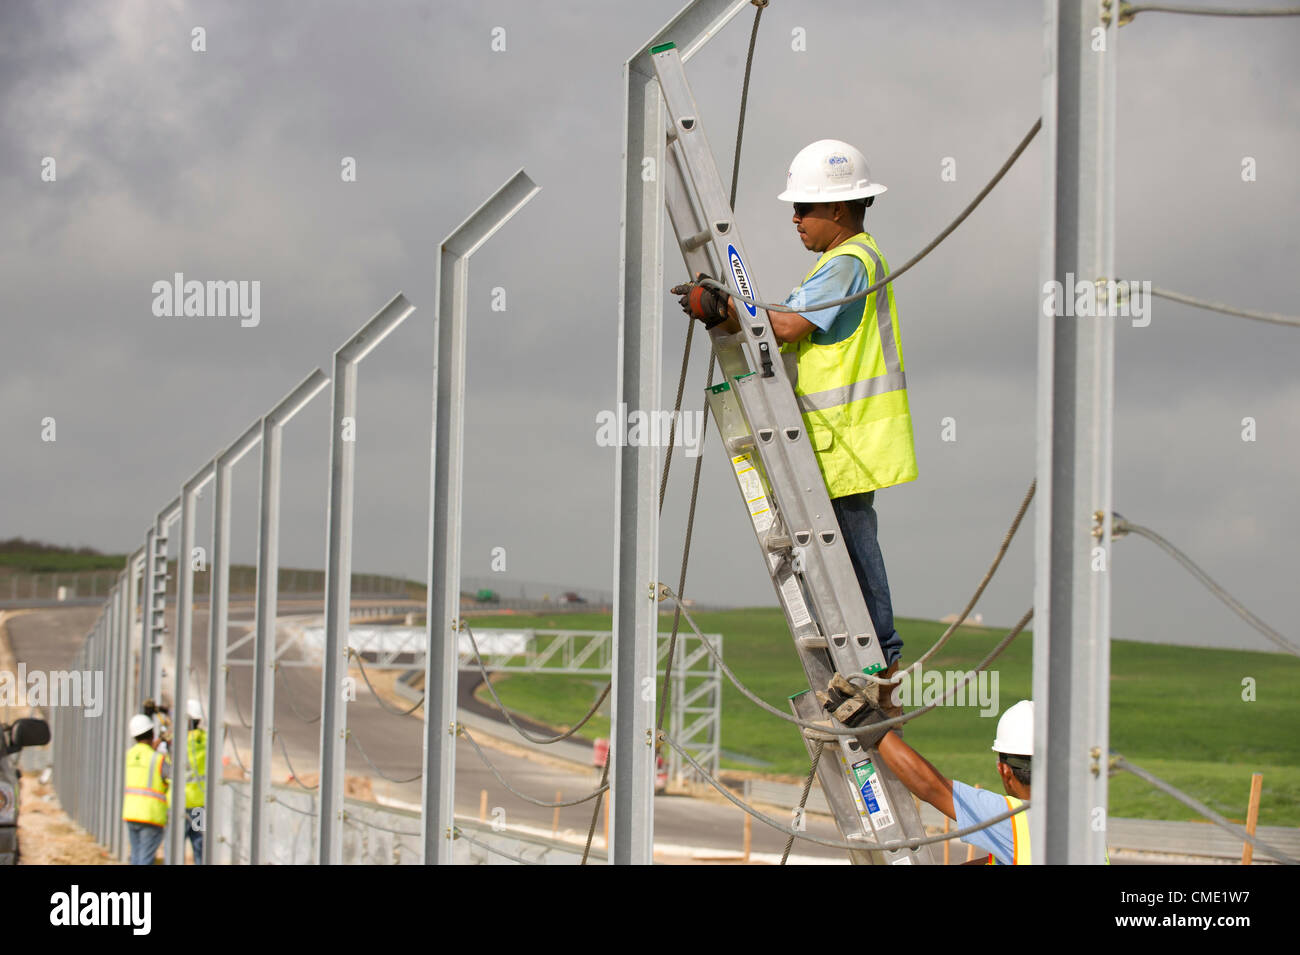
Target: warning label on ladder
873	793
751	486
793	596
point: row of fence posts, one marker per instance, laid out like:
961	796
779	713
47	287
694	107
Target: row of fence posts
89	752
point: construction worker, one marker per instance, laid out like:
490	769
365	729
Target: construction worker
196	768
850	382
144	802
1007	842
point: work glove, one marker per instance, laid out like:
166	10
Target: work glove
699	301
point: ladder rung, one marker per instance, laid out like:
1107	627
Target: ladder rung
776	541
813	641
697	241
740	443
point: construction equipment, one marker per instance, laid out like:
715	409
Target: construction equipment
777	473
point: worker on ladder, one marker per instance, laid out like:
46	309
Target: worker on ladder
1007	842
850	383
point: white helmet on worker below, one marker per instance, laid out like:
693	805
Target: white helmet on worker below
139	725
1015	735
194	710
829	170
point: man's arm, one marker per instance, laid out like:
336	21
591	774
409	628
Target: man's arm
916	773
786	326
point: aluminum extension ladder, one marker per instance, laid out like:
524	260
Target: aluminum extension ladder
776	471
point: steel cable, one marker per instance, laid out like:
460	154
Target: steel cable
948	230
830	843
1121	526
392	779
462	834
544	803
371	824
803	796
1128	11
302	812
235	750
293	773
288	697
979	591
1274	317
239	711
1119	762
361	663
540	740
847	731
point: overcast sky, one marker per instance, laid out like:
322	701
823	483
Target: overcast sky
226	165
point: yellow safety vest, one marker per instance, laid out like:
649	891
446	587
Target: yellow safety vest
853	393
145	797
1019	835
196	763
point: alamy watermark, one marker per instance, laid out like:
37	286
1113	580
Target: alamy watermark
214	299
83	688
646	429
1103	298
921	687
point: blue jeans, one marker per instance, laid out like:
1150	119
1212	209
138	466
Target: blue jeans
857	519
195	835
145	840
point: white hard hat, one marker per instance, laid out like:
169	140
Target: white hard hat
829	170
139	725
194	710
1015	735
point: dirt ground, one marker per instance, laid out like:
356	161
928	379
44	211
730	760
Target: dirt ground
46	836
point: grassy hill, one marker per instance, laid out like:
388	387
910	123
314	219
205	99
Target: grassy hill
1176	711
32	557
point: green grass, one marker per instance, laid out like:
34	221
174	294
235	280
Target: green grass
58	561
1175	711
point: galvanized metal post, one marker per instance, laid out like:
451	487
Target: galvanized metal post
1075	418
108	713
218	627
636	487
338	570
445	474
147	602
98	790
175	852
105	719
120	701
268	580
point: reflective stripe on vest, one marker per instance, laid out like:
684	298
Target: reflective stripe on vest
1020	854
196	749
144	796
853	393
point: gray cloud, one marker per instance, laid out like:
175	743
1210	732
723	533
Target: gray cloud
226	165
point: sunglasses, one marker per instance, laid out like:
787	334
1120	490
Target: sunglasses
801	209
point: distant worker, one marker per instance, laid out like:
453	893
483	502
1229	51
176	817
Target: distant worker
850	383
162	716
1007	842
144	801
196	770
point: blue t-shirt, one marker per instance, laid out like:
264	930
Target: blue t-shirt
973	806
842	276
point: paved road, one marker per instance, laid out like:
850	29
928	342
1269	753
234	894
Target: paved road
48	639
